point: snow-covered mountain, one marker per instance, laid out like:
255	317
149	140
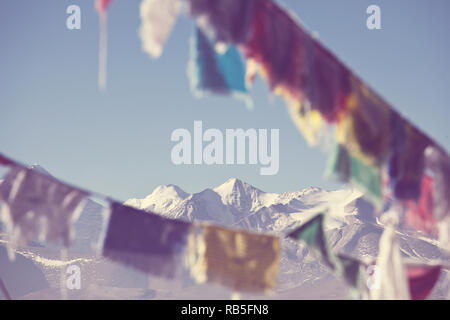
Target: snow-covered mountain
238	204
351	224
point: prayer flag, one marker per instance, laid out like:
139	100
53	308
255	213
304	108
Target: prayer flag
419	214
240	260
157	20
5	161
390	271
437	161
364	125
145	241
350	169
353	273
36	206
211	71
407	162
228	21
312	234
422	281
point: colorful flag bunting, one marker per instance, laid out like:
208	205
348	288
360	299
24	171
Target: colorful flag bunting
145	241
211	71
422	280
319	88
239	260
157	20
37	206
312	234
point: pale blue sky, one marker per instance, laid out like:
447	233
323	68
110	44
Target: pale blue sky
118	142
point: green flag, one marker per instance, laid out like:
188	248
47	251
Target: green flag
313	235
350	270
350	169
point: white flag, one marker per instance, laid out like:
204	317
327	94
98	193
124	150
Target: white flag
36	206
157	20
391	281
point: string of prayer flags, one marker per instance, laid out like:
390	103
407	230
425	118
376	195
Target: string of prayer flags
391	283
212	71
422	280
102	8
157	20
350	169
145	241
320	90
37	206
242	261
312	234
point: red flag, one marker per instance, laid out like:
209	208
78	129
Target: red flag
102	5
419	213
5	161
422	281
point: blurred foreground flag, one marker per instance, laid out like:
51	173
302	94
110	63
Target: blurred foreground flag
216	69
145	241
313	235
422	280
239	260
347	168
391	280
36	206
157	20
4	161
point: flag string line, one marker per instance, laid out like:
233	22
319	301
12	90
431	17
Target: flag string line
108	199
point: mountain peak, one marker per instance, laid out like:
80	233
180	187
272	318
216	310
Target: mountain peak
168	190
235	185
